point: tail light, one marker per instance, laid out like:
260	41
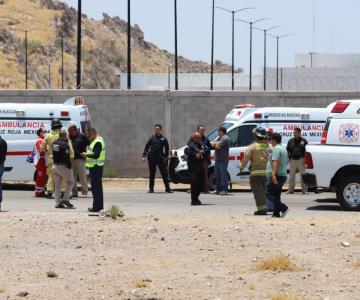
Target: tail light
308	161
64	114
324	137
340	107
257	116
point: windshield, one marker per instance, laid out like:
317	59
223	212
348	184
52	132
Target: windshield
214	134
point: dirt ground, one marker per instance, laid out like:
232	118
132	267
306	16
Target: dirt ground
76	256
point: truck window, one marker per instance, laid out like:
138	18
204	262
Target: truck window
214	134
234	137
327	125
245	135
85	126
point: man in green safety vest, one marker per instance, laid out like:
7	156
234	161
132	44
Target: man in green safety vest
258	155
95	161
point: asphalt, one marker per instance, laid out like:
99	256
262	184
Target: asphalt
139	202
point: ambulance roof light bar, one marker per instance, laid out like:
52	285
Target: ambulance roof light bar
340	107
244	105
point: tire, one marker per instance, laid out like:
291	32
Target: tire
348	193
212	181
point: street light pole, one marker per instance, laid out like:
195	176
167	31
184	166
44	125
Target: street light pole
78	66
233	53
212	47
277	63
62	61
265	59
278	55
176	48
26	59
233	12
251	45
250	67
129	47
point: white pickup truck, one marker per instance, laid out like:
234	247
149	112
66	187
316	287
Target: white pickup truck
335	164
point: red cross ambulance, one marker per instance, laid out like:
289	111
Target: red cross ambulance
19	123
241	121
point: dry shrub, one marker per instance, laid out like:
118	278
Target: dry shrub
278	263
144	283
286	297
356	264
51	274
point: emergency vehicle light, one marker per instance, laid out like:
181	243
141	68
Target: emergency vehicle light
257	116
340	107
64	114
244	105
79	101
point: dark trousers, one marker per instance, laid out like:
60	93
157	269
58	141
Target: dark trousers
273	193
96	174
197	180
160	163
2	169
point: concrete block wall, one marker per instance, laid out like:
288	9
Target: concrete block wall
126	118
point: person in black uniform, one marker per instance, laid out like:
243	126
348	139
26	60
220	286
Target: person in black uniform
196	152
62	170
207	161
157	150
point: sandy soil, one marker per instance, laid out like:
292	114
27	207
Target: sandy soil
176	257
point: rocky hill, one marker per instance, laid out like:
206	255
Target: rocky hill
104	47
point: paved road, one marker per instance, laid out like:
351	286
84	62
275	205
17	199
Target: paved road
138	202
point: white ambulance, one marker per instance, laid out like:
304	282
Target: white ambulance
240	123
18	126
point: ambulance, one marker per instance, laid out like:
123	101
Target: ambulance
18	126
240	123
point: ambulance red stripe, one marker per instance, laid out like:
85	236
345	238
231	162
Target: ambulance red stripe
18	153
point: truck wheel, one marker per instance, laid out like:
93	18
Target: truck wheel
348	193
212	181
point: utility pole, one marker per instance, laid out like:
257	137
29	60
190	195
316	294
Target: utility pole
129	47
62	61
176	49
78	66
26	59
212	47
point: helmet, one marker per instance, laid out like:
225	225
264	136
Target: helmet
56	124
260	133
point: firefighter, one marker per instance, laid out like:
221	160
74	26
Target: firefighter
40	164
156	151
258	155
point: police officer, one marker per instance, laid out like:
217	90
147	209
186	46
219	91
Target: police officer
157	150
206	162
258	155
196	152
95	161
46	147
296	148
61	170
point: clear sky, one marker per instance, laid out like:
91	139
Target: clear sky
337	26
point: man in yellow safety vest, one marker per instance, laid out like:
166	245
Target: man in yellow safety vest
95	161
